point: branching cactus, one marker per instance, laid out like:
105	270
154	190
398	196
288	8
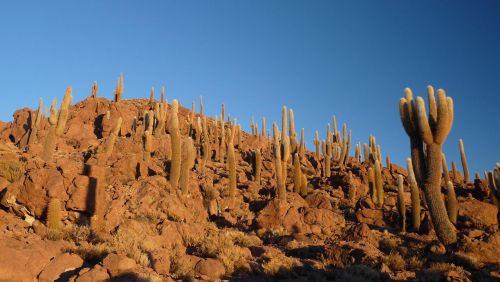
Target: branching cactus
118	93
64	112
415	196
187	163
54	214
50	140
281	191
451	202
257	166
432	130
464	161
161	118
94	89
175	135
401	203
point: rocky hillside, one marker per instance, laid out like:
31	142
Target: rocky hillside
140	190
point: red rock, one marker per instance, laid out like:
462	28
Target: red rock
118	264
161	262
210	267
479	214
60	264
98	273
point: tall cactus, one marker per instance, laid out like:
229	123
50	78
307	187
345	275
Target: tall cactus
463	158
401	203
415	196
379	184
118	93
187	163
494	185
446	174
35	126
281	190
161	118
257	166
97	184
302	144
111	140
297	174
451	202
317	144
351	192
175	135
147	146
293	134
64	112
231	167
94	89
50	140
433	131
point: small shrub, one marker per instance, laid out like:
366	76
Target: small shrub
280	265
11	170
395	261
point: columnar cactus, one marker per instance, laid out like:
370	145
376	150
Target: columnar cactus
175	135
257	165
357	152
201	105
231	167
366	153
371	185
379	184
187	163
464	161
216	139
303	189
302	145
94	89
285	155
401	203
162	98
297	174
454	173
97	185
494	185
147	146
161	118
451	202
415	196
351	192
263	129
293	134
50	140
54	214
222	140
206	142
432	131
119	89
35	124
281	190
63	112
317	144
446	174
110	141
152	96
388	162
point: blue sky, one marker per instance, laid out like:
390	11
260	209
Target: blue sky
350	58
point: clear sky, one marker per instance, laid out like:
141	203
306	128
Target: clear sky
349	58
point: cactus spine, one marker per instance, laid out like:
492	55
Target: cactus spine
187	163
464	161
451	202
415	196
433	132
175	164
401	203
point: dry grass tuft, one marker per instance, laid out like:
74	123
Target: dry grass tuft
395	261
12	170
179	266
280	265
